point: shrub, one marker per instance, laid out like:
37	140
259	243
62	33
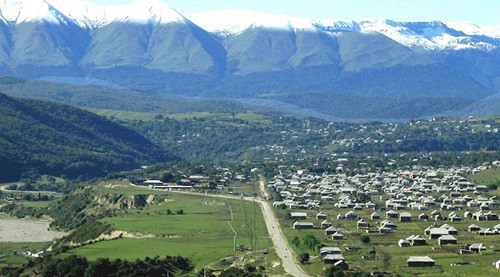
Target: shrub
304	258
365	239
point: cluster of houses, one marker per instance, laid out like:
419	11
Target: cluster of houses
330	231
333	255
429	194
418	189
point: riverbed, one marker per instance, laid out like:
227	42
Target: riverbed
26	230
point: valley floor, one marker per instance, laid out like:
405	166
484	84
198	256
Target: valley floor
24	230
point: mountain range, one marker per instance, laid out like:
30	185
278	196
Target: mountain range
256	57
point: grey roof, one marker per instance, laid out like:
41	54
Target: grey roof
420	259
330	249
298	214
478	245
303	223
335	257
447	237
439	231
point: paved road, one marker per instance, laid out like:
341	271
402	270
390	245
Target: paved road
281	245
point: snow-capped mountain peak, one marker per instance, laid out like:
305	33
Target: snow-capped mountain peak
144	11
432	35
419	36
233	22
22	11
85	13
474	30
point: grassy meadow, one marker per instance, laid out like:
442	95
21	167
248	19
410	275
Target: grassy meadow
487	177
195	226
9	255
147	116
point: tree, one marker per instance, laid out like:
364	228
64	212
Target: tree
296	241
310	241
167	177
250	268
365	239
304	258
334	271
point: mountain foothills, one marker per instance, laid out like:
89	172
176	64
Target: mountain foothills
257	58
46	138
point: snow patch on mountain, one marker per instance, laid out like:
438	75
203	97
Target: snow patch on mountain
90	15
144	12
420	36
23	11
234	22
474	30
85	13
433	35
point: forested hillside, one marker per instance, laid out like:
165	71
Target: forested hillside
100	97
46	138
257	137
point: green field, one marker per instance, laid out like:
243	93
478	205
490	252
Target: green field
8	257
203	233
36	204
391	258
487	177
145	116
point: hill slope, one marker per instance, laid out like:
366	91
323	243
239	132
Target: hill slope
57	139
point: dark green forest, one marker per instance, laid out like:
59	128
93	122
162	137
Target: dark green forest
46	138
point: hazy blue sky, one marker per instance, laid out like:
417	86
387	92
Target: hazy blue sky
481	12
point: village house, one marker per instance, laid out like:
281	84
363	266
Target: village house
404	243
325	224
330	231
351	215
391	214
337	236
416	240
477	247
303	225
384	230
435	233
447	239
488	232
329	250
405	217
362	224
320	215
375	216
423	216
298	216
421	261
333	258
474	228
